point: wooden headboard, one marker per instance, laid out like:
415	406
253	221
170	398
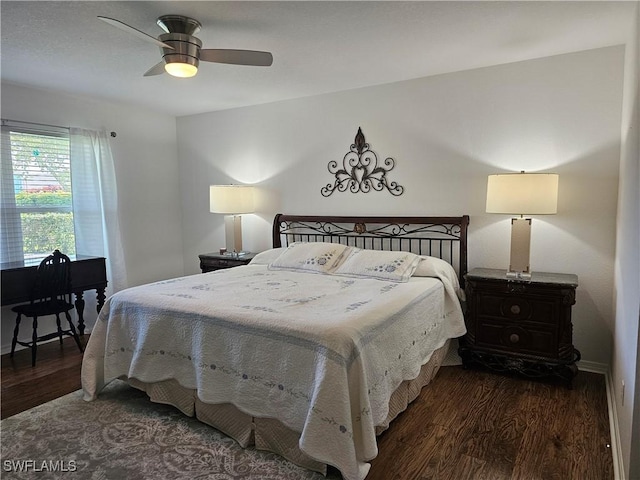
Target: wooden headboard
441	237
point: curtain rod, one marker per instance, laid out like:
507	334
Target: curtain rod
7	120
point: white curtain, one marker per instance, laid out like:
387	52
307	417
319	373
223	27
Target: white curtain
95	203
11	245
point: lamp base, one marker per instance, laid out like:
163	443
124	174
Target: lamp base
237	254
520	247
519	275
233	233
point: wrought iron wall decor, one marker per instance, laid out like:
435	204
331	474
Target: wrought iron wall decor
360	171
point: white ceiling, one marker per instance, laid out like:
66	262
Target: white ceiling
318	47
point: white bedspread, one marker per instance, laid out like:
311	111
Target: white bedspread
321	353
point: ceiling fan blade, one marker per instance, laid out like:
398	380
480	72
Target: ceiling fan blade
135	31
157	69
237	57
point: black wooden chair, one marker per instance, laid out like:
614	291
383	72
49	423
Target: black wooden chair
50	295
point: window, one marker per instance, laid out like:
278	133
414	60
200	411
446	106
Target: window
58	190
37	207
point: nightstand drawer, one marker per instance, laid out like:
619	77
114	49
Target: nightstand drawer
223	263
517	307
516	338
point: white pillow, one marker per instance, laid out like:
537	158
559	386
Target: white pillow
434	267
316	257
438	268
268	256
383	265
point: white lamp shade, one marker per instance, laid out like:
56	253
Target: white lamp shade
231	199
523	193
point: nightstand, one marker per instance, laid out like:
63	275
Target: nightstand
215	261
521	326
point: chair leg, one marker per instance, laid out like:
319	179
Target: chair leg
73	331
34	341
15	334
59	327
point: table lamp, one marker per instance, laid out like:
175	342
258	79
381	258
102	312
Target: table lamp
522	194
232	200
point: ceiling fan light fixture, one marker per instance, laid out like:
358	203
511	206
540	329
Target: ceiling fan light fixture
181	65
182	70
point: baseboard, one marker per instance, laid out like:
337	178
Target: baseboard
616	446
593	367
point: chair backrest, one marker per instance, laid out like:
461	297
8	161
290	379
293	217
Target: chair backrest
53	279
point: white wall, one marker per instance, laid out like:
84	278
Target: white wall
624	366
145	157
447	133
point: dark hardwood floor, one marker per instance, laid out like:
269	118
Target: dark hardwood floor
57	372
479	425
466	425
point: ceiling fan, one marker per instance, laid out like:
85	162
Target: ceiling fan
182	51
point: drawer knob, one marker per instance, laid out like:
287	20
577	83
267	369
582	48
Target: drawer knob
515	309
514	338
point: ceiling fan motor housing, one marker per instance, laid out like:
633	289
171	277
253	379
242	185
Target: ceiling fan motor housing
186	48
179	24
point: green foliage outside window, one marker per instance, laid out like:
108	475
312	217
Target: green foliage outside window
43	232
43	199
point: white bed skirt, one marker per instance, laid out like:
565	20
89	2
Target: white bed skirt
268	433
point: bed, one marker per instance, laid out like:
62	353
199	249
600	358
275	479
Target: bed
311	349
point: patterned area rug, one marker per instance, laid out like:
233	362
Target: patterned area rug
123	435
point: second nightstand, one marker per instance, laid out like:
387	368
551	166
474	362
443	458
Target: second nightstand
520	325
214	261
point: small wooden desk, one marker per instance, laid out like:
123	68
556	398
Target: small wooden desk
87	273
